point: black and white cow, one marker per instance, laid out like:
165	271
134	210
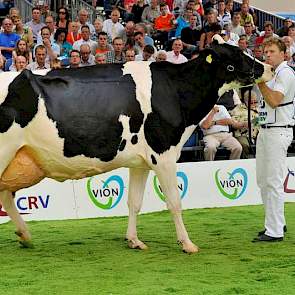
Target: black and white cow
74	123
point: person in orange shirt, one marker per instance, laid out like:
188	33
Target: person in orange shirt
73	36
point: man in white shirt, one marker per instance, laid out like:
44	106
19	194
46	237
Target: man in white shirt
112	26
83	20
215	127
175	56
40	63
85	34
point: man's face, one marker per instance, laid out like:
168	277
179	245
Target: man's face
7	25
102	40
221	6
36	15
20	63
229	6
40	56
268	31
83	16
45	34
118	45
139	39
211	18
244	9
100	59
75	59
164	10
154	3
237	19
85	34
291	32
177	46
129	29
130	55
258	52
146	55
85	52
248	29
98	25
242	44
75	27
273	56
115	15
50	23
193	21
287	40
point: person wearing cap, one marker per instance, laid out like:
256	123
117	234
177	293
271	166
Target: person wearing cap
276	120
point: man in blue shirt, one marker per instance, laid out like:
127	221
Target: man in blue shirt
8	39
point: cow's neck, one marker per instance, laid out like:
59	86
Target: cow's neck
199	90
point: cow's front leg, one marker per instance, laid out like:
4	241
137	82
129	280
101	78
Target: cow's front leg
168	181
6	199
137	181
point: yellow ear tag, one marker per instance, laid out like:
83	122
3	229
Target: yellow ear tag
209	59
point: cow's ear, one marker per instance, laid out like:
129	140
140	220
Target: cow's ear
217	39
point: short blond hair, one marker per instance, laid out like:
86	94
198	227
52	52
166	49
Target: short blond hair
275	41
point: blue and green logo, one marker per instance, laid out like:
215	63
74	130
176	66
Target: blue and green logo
234	185
182	184
106	194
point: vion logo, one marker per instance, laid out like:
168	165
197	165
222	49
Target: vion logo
233	184
182	184
105	194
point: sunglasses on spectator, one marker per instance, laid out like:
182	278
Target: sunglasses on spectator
62	12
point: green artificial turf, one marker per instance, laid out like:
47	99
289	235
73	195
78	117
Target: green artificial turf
91	256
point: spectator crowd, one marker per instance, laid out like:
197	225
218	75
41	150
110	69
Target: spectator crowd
153	30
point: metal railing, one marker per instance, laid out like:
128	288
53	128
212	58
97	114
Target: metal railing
25	8
76	5
263	16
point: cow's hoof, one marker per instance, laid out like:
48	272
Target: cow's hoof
189	247
137	244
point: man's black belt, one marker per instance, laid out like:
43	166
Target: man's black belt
264	126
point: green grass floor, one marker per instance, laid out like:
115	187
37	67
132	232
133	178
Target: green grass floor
91	256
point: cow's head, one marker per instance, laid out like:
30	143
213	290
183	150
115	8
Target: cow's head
236	67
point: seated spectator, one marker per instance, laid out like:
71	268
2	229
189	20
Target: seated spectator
246	17
290	44
141	27
291	32
98	28
112	26
243	44
149	14
210	4
267	33
118	54
236	24
127	35
64	46
163	24
174	56
224	17
206	38
139	42
100	58
283	31
229	5
137	10
63	19
49	22
20	63
35	24
13	12
87	58
211	20
182	21
74	35
40	62
161	56
52	49
195	7
190	36
240	115
83	17
291	62
23	31
250	34
147	54
8	39
130	55
85	39
231	38
251	10
258	52
75	59
23	49
215	127
103	46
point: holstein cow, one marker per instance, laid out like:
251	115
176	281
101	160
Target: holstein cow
74	123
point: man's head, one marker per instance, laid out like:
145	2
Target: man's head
258	52
83	16
161	56
274	51
139	39
36	14
154	3
244	8
115	15
75	27
85	52
243	43
268	29
75	58
288	41
102	39
45	33
85	32
229	4
163	9
118	44
129	28
211	16
49	21
148	52
40	54
291	31
130	55
221	6
287	22
248	28
7	25
193	21
177	46
236	19
20	63
100	58
98	25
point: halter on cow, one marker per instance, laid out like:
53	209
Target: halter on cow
74	123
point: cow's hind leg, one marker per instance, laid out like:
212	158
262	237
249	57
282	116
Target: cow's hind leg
166	173
137	181
22	172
